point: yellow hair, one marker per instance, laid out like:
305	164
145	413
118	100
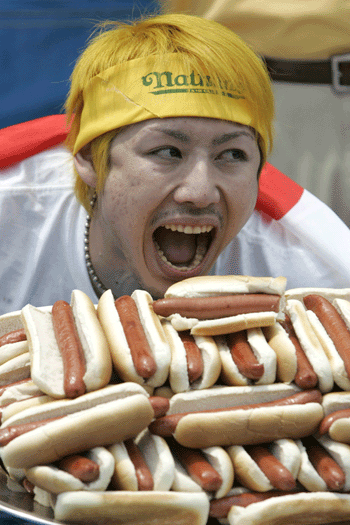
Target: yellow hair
204	45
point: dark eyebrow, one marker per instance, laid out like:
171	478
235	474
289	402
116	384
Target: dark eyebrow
229	136
176	134
216	142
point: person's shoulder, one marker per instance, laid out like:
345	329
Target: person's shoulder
24	140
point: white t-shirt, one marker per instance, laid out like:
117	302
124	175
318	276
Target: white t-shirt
291	233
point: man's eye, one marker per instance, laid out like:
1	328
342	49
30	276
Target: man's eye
167	153
233	155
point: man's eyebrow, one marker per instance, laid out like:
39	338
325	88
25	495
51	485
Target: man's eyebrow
176	134
234	135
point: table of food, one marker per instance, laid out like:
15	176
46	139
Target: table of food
227	401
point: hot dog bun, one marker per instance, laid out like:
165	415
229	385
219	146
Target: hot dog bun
45	354
157	456
55	480
250	475
99	418
178	372
137	508
264	355
121	355
224	286
242	426
218	458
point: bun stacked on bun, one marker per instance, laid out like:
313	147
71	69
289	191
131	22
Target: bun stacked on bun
215	305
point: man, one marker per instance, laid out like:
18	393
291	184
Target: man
170	127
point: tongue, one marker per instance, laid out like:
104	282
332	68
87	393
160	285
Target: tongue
178	248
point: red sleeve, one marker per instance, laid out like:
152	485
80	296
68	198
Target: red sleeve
24	140
277	192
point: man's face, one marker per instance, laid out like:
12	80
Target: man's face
178	191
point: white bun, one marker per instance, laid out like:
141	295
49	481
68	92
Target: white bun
327	293
263	353
248	426
220	461
15	369
19	392
45	354
310	344
157	456
224	325
12	350
251	476
212	285
121	356
305	508
133	508
227	396
308	476
178	376
98	418
55	480
278	339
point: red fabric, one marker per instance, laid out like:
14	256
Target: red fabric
277	193
21	141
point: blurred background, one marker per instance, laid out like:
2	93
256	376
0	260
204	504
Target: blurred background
39	43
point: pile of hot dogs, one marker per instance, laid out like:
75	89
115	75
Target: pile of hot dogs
229	399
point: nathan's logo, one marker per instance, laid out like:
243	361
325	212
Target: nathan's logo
167	82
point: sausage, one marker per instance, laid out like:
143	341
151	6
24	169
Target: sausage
216	307
305	376
333	324
9	433
197	466
219	508
13	337
165	426
326	467
160	405
141	353
80	467
278	475
28	486
194	358
70	348
327	421
143	474
243	356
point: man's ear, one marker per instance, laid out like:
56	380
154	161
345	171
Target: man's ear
84	166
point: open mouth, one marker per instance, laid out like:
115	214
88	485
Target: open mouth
183	248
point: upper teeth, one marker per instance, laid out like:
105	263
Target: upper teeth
188	229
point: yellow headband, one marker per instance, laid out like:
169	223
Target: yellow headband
157	87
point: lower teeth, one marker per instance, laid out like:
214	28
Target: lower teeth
198	258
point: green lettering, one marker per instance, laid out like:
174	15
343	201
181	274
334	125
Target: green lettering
193	80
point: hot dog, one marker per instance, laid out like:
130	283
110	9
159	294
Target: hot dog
142	464
245	424
262	468
246	358
209	469
111	414
128	363
198	369
222	304
251	508
55	478
69	341
311	344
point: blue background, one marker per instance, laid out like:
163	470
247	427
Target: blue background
40	41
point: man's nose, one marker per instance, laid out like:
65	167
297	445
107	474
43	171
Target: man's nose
198	186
